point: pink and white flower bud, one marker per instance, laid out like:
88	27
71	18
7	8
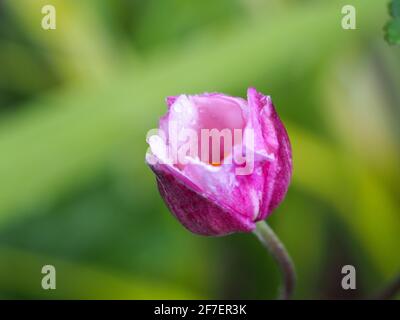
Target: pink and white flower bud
222	163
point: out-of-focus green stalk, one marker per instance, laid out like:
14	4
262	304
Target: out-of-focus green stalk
277	249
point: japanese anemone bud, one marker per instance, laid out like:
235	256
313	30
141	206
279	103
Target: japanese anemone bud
222	163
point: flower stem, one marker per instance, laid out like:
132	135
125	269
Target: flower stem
271	241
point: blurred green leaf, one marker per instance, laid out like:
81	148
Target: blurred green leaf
359	197
20	273
394	8
79	47
392	30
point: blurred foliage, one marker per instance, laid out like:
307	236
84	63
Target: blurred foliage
392	28
76	104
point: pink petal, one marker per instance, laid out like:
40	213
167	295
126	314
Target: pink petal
277	173
194	210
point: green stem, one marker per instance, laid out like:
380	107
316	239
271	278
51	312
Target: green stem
271	241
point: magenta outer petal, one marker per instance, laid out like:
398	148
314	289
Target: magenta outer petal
170	100
195	211
284	167
239	195
277	173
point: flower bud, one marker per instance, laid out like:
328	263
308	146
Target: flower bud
222	163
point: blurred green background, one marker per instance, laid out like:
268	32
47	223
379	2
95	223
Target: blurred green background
76	104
